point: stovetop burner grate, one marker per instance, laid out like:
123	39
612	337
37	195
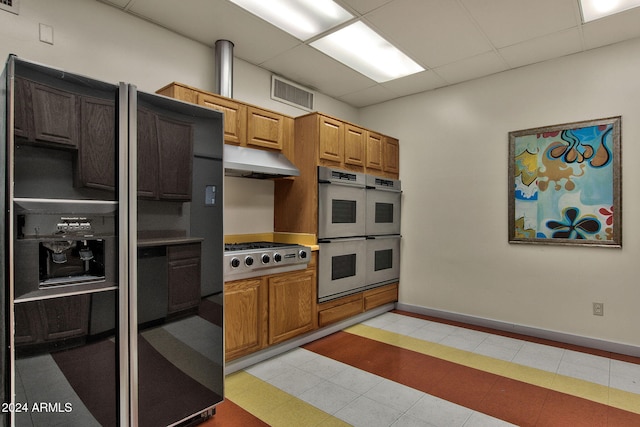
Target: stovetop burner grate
254	245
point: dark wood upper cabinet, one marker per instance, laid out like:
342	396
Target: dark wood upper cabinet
147	155
97	148
23	116
55	115
175	153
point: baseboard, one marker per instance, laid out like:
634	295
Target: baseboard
589	342
269	352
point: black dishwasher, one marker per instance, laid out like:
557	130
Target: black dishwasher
153	289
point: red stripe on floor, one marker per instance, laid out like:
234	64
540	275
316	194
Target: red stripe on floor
507	399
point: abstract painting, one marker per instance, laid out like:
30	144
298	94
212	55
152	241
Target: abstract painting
565	184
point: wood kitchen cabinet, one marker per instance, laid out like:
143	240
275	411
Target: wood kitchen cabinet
340	144
184	282
47	115
175	154
342	308
267	310
265	129
245	125
245	316
59	119
391	156
235	116
23	118
165	157
97	147
147	155
292	303
374	152
51	320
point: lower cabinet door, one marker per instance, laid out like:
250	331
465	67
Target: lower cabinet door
292	308
245	317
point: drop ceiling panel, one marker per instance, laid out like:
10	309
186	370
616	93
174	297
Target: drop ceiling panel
372	95
472	68
614	29
415	83
312	68
508	22
363	6
432	32
543	48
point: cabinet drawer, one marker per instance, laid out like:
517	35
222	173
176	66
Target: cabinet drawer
343	308
184	251
380	296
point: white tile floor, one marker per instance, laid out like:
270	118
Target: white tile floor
363	399
600	370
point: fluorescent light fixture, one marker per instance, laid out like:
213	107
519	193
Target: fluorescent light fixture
596	9
303	19
359	47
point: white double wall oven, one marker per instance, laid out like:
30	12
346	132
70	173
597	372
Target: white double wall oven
358	232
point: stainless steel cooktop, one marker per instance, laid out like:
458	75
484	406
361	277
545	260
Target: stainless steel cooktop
245	260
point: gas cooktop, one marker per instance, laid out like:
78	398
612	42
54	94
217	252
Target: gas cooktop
245	260
255	245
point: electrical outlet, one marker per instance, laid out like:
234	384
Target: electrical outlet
598	309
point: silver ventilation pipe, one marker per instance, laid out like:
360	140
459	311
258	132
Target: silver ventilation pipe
224	68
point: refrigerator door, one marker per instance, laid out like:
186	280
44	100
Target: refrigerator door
61	151
176	210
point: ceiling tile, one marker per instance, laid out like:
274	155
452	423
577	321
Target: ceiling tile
255	40
508	22
415	83
118	3
612	29
310	67
543	48
364	6
372	95
434	33
471	68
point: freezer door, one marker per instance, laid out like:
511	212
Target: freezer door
176	210
64	347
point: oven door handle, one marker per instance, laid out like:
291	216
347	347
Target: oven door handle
342	239
385	236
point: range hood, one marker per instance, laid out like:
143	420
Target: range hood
253	163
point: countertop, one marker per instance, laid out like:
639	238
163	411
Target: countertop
166	241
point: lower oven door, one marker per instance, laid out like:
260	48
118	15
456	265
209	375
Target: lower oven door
341	267
383	260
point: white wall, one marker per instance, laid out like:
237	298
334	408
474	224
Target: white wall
100	41
453	158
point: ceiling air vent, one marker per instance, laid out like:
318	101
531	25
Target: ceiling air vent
10	5
290	93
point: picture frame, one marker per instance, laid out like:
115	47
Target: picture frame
565	184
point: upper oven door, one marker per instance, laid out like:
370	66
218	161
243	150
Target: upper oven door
341	211
383	212
383	260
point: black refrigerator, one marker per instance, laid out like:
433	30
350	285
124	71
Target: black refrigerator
112	287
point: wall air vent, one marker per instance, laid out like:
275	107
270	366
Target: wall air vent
10	5
290	93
